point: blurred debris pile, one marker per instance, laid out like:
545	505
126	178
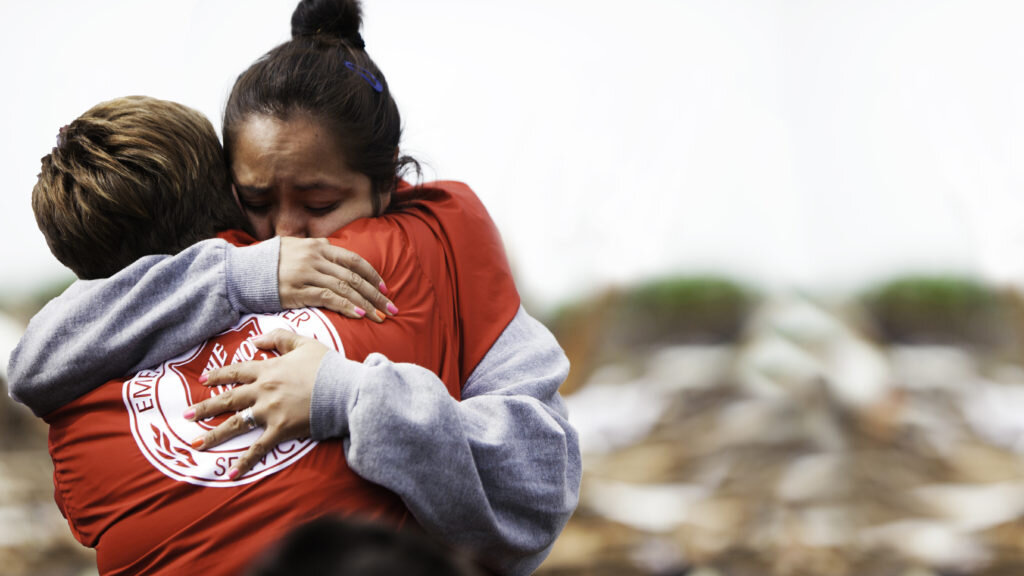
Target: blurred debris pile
938	309
617	324
822	440
34	537
727	433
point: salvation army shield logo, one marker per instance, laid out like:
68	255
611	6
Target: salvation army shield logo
156	398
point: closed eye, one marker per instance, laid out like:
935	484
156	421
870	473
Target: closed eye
253	199
321	210
256	207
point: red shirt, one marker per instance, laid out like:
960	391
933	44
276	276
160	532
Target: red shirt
481	280
132	487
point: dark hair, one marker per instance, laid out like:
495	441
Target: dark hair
131	177
330	546
324	72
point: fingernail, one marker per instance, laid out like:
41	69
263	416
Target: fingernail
189	414
203	378
233	474
382	287
360	312
197	442
392	309
380	315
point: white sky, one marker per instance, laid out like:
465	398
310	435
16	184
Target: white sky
807	143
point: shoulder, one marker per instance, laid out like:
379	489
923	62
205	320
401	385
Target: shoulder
453	209
372	238
407	253
438	192
406	250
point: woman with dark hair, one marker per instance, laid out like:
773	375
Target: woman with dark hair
312	139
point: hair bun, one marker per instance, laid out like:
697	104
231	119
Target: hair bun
338	18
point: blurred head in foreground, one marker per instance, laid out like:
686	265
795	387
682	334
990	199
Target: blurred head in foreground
331	546
131	177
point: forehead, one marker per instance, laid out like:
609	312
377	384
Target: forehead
269	149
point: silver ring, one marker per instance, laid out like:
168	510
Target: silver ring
248	418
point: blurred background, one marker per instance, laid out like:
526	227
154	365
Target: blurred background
782	243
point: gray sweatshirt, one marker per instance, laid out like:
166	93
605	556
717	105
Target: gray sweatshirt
497	473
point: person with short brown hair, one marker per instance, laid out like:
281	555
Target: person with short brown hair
132	177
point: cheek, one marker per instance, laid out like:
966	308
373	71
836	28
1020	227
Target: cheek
350	212
261	225
325	226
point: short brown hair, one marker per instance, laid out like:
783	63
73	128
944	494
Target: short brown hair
131	177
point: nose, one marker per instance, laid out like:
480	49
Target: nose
291	222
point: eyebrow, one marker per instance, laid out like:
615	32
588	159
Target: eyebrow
321	185
253	190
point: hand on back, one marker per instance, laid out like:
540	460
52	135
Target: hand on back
313	272
275	392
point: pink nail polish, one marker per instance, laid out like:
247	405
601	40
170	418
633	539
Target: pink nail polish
360	312
392	309
382	287
189	414
233	474
203	378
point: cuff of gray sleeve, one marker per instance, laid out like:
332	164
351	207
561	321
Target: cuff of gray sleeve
252	277
334	396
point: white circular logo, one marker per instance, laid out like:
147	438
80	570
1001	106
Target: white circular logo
156	399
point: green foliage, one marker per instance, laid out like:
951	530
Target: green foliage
671	295
690	309
684	309
937	309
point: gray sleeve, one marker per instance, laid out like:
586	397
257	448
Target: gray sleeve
158	307
497	473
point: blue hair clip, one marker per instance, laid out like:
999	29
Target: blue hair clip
366	75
